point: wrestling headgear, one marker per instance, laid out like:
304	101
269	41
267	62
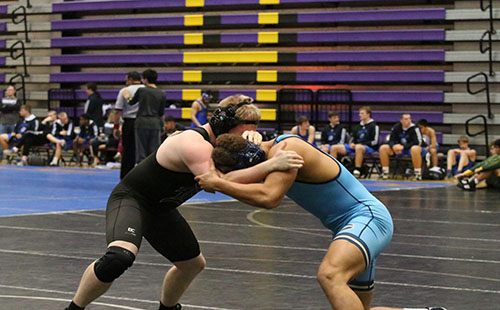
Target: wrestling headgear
249	156
224	118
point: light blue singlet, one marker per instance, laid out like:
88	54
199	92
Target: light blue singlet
350	211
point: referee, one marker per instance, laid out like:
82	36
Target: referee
129	114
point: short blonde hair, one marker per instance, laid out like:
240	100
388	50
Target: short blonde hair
247	112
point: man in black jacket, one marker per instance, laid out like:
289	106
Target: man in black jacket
364	140
93	106
333	133
405	140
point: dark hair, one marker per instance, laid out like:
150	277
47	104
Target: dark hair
134	76
168	118
301	119
85	116
150	75
332	113
496	143
225	146
92	86
423	122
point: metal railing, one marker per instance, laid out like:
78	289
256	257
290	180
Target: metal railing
484	130
22	20
23	85
485	88
22	54
488	33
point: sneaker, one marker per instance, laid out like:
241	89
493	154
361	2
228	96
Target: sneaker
356	173
54	163
418	177
435	308
385	176
468	185
428	159
22	163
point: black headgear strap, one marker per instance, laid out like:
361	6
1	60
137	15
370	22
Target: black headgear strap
224	118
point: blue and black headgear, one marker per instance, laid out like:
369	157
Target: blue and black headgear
249	156
224	118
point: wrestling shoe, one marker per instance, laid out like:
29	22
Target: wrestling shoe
467	184
385	176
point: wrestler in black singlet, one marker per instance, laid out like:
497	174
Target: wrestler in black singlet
144	204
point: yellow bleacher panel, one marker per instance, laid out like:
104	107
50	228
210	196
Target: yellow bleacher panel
230	57
268	114
191	76
268	18
195	3
193	38
266	95
268	37
267	76
193	20
186	113
191	94
267	2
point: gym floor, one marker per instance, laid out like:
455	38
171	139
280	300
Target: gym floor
445	250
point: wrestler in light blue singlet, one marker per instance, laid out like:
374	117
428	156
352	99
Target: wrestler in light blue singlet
350	211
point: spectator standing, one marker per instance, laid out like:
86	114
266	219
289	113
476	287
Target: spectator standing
129	114
333	133
406	139
304	130
148	124
199	110
9	110
364	140
93	106
460	159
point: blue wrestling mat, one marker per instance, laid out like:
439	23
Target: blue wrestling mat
28	190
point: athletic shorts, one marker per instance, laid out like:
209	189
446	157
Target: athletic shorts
368	149
371	234
129	218
454	169
408	153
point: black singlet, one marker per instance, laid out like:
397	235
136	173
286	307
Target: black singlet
159	186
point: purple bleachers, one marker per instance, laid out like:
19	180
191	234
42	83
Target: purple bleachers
3	43
253	19
365	76
253	38
3	9
358	96
3	27
159	4
397	96
294	57
2	60
400	76
2	77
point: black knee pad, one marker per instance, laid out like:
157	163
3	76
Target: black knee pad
113	264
